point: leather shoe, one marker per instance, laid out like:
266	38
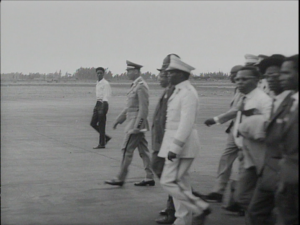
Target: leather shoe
199	195
200	219
168	219
213	197
98	146
145	183
115	182
107	139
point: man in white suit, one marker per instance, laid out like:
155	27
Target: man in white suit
181	145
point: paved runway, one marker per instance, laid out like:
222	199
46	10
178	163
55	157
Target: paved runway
50	175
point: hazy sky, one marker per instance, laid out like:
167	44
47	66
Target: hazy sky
48	36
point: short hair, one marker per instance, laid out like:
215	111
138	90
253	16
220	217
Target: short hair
295	60
100	68
253	69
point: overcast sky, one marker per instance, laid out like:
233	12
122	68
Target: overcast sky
48	36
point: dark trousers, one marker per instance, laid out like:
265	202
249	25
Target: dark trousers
286	201
260	209
157	165
98	121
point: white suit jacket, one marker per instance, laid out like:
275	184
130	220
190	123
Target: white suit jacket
181	136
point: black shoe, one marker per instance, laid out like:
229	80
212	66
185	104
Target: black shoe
213	197
145	183
107	139
199	195
115	182
98	146
163	212
235	208
168	219
200	219
232	208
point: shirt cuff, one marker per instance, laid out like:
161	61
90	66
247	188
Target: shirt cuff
216	119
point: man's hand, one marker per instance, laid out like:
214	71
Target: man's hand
171	155
210	122
115	125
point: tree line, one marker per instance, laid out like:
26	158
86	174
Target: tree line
82	74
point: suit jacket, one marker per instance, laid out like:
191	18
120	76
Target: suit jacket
273	141
136	111
289	165
181	136
159	120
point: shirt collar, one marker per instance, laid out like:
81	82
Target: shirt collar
251	94
182	84
101	81
137	80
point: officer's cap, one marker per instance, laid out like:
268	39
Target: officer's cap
131	65
167	61
177	64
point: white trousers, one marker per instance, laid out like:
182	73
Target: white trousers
175	180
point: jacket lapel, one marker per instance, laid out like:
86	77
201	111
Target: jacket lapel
280	109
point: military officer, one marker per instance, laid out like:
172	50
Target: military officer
181	145
135	113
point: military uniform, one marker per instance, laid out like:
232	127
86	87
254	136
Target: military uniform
136	113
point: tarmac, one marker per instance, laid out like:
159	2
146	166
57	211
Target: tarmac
51	175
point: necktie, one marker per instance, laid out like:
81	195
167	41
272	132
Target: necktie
272	108
171	91
239	116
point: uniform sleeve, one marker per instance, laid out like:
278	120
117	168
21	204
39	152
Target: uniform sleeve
188	113
122	116
143	98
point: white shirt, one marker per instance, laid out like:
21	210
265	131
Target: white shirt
103	90
257	99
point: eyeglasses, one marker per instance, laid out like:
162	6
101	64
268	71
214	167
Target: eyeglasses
243	79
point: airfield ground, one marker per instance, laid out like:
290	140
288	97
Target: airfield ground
51	175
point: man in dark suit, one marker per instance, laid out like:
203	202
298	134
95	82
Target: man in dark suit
263	201
287	195
157	132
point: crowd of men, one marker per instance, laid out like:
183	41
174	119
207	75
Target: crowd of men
262	139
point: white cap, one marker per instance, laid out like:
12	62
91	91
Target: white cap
177	64
251	59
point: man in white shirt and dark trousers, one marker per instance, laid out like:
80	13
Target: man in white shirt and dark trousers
255	101
98	122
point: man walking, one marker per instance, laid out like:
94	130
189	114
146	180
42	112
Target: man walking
98	122
181	145
231	150
157	131
135	113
